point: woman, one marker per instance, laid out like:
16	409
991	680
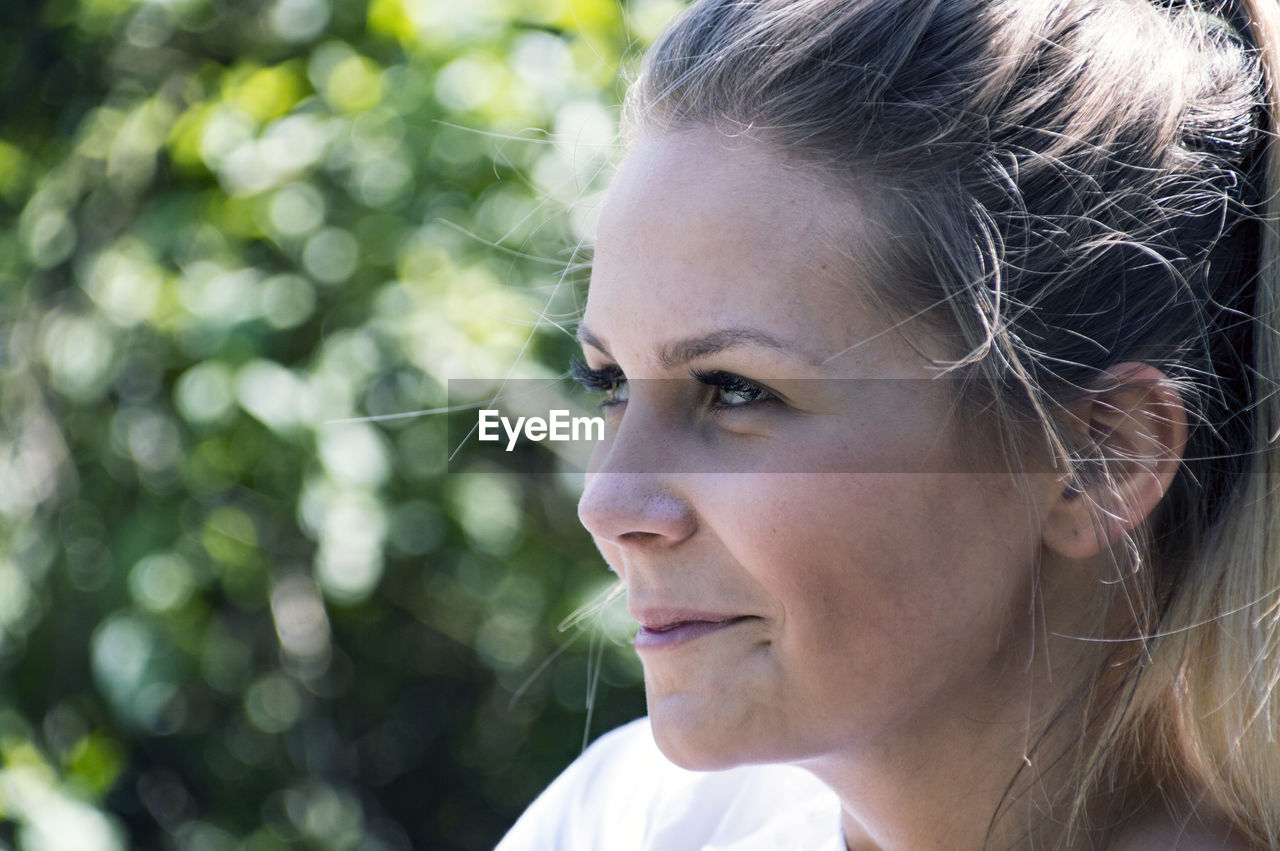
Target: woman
1030	606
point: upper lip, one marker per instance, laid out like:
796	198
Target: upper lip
658	618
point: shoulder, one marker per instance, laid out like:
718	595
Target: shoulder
622	794
1194	831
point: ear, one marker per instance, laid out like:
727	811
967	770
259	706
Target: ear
1135	424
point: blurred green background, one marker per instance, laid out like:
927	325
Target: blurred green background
227	621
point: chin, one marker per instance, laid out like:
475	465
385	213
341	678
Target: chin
689	752
698	740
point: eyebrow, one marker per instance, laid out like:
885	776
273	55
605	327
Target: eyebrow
681	352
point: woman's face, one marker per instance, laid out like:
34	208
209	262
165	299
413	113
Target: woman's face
792	605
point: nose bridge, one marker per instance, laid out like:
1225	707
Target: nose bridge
632	493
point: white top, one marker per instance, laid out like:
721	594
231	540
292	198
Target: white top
622	794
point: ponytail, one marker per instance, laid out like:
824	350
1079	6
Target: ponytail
1217	653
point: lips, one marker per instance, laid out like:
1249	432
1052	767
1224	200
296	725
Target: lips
661	629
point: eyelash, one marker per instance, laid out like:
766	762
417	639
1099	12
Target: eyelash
609	379
605	380
730	383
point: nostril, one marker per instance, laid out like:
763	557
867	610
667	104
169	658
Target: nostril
638	538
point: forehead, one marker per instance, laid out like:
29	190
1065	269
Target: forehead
701	231
699	172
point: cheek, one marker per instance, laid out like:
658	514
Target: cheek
886	566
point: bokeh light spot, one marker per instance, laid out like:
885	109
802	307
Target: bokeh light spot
204	392
489	510
354	454
161	581
297	209
349	561
270	393
79	351
301	623
330	256
287	301
273	704
299	20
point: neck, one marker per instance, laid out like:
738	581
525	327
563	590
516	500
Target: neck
973	778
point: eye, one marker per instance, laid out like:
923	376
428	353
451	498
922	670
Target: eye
608	380
732	391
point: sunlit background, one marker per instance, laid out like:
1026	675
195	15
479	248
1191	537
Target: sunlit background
228	621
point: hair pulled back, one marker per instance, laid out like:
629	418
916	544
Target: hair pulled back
1069	185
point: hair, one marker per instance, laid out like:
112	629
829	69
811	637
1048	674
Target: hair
1070	184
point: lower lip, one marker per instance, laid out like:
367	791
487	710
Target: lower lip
648	639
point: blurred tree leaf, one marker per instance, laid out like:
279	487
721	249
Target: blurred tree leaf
228	620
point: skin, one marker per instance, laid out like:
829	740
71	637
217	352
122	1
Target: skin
886	631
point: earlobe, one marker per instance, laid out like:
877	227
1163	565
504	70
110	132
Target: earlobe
1134	426
1078	526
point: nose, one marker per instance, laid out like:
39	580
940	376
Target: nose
635	510
632	498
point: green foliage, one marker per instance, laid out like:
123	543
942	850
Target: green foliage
233	614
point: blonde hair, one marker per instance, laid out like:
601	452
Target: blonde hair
1070	184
